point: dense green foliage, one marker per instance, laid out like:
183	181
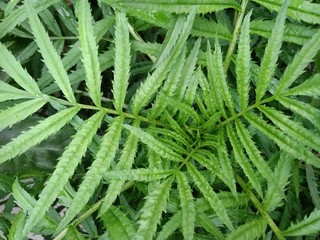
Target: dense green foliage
160	119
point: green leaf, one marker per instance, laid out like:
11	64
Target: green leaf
138	174
151	211
255	156
11	66
160	148
154	81
125	163
271	54
118	225
121	61
19	112
89	50
302	10
242	160
313	185
104	157
225	163
19	15
176	6
299	63
204	221
49	54
170	226
282	172
310	225
309	87
292	128
36	134
64	169
293	33
8	92
287	144
187	206
210	195
305	110
251	230
243	63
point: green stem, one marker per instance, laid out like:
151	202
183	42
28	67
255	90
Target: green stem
235	36
260	208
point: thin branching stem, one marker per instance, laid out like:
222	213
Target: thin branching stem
235	35
260	208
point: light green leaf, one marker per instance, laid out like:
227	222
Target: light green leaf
291	128
204	221
271	54
89	50
305	110
303	10
256	157
121	61
282	171
19	15
287	144
19	112
188	211
309	87
225	163
163	150
125	163
251	230
169	87
36	134
293	33
210	195
118	225
104	157
64	169
242	160
138	174
310	225
243	63
151	211
49	54
154	81
12	67
176	6
170	226
299	63
215	90
312	181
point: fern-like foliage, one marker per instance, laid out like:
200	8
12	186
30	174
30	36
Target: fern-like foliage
177	134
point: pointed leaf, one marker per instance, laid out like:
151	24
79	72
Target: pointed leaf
118	224
36	134
49	54
64	169
310	225
19	112
243	63
140	174
125	163
313	185
89	50
8	92
121	61
160	148
299	63
176	6
104	157
187	206
11	66
251	230
210	195
271	54
151	211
